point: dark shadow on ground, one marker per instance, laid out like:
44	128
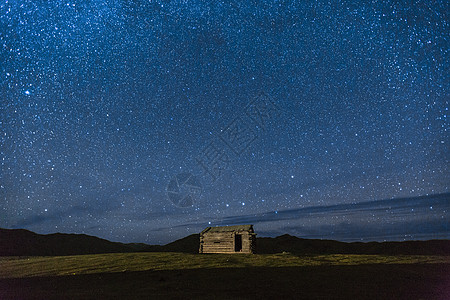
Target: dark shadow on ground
431	281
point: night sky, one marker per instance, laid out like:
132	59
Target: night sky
146	121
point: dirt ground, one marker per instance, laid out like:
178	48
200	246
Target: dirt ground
415	281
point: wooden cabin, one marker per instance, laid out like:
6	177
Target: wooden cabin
228	239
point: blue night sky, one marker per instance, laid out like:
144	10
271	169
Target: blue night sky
146	121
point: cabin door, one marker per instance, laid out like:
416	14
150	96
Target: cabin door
237	243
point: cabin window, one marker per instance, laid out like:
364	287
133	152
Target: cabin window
237	243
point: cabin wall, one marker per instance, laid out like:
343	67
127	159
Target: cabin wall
224	242
247	242
218	242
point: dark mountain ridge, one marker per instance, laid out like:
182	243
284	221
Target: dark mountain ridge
292	244
21	242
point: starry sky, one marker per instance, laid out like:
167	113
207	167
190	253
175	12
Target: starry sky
146	121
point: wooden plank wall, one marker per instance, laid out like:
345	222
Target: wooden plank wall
223	242
218	242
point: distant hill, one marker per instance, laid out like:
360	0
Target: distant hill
189	244
292	244
21	242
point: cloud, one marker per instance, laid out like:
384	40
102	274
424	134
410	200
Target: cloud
50	217
404	206
392	219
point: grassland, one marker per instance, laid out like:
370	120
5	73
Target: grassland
20	267
220	276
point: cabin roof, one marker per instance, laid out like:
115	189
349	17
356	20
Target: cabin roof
229	228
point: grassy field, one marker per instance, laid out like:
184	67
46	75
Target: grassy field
221	276
19	267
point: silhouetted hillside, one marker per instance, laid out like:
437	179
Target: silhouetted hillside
292	244
20	242
288	243
189	244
